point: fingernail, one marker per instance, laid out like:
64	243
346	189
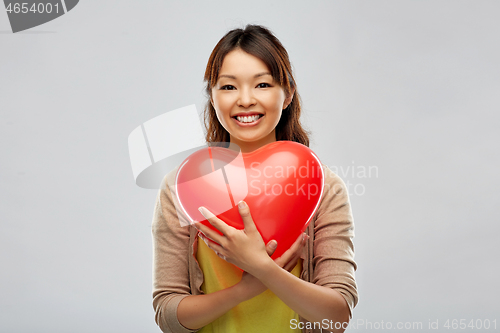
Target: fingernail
202	211
274	245
206	214
242	204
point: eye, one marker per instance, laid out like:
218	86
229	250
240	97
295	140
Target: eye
263	85
227	87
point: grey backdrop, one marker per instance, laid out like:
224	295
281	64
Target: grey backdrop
409	89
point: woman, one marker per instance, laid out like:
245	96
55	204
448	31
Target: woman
197	285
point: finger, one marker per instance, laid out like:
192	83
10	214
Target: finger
299	243
271	247
209	233
210	243
219	250
296	248
215	221
246	216
292	263
203	238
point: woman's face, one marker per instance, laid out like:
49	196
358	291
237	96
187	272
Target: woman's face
247	100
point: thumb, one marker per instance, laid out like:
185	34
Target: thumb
271	247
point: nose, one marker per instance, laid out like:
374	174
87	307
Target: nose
246	98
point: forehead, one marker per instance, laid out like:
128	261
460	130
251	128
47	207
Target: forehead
239	63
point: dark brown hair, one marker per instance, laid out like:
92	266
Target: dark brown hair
261	43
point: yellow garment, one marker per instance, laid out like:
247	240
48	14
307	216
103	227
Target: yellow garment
263	313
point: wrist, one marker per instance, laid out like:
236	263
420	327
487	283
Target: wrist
263	270
241	292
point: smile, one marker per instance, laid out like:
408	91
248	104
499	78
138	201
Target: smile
248	121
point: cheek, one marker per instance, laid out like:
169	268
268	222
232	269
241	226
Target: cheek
220	104
277	100
220	117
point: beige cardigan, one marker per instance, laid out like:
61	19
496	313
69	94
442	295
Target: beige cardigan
328	255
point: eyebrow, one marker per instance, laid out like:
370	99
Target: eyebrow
234	77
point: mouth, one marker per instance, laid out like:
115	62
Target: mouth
248	120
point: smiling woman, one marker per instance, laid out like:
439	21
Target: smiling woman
227	281
252	67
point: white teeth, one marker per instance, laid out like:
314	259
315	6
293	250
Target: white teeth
249	119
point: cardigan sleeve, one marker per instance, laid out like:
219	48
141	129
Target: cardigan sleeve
333	257
170	262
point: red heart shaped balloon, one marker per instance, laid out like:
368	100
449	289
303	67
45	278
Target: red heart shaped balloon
282	183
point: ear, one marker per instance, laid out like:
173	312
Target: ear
288	99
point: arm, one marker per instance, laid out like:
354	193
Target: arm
333	291
176	310
312	302
170	262
200	310
334	265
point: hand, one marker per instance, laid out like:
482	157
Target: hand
239	246
243	248
251	286
289	258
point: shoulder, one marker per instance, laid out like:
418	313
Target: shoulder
334	204
169	179
168	214
333	184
